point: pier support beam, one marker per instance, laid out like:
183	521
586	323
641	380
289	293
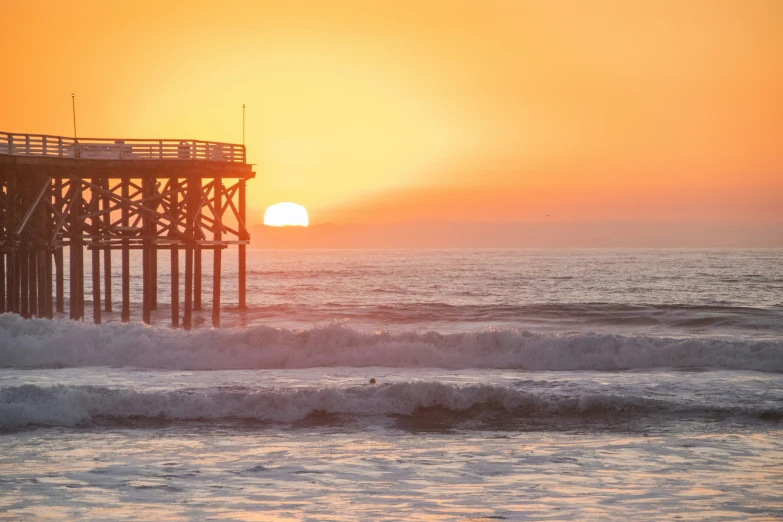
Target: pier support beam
243	235
173	235
218	252
3	236
146	262
96	285
192	208
24	259
32	278
197	276
96	254
75	248
106	202
3	308
48	275
187	316
153	232
125	223
59	279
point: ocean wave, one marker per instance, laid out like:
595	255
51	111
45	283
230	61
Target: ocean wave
45	344
588	314
61	405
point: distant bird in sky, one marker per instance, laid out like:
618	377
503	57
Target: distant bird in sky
547	215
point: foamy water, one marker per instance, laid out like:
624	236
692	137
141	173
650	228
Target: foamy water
509	385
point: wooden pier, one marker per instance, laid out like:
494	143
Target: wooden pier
99	195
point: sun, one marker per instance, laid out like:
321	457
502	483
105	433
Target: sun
286	214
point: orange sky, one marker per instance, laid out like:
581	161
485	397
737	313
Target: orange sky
507	110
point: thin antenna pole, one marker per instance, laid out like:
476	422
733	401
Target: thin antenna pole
243	124
73	106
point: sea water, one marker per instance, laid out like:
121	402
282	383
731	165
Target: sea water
519	384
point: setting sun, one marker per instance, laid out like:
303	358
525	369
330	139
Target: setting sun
286	214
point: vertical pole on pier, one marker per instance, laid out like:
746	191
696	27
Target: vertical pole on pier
106	200
173	235
218	252
125	308
96	255
59	279
76	254
243	236
146	309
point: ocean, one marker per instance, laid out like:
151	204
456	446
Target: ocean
508	385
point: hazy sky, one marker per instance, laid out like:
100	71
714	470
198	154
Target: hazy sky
459	110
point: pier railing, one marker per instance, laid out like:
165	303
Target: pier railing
119	149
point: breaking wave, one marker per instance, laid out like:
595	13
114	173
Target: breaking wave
60	405
52	344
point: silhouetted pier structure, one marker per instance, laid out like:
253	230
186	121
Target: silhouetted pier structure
113	194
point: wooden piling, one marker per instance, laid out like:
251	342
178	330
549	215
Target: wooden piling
59	280
44	226
96	256
197	275
3	238
24	256
76	289
48	276
32	275
187	316
125	309
106	201
217	253
173	235
24	280
96	286
192	206
146	263
43	284
10	242
242	261
3	308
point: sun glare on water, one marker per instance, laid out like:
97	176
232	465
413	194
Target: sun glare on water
286	214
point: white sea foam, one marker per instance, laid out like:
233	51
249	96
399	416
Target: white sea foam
45	344
68	405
